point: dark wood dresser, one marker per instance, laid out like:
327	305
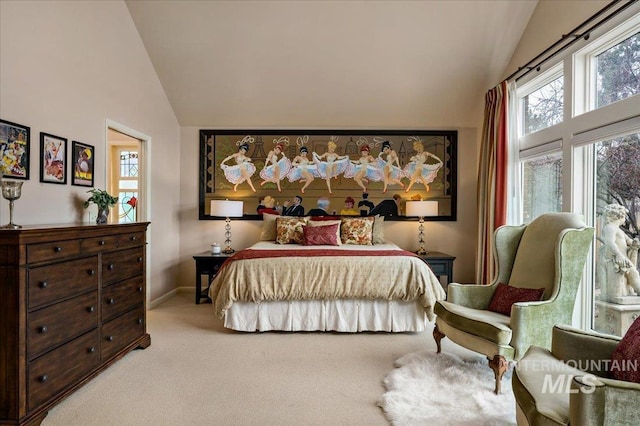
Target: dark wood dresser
72	302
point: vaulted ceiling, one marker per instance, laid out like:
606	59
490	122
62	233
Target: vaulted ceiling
329	64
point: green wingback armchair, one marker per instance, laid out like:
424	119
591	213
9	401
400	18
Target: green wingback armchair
570	385
548	253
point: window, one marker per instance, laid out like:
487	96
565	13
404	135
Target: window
128	185
595	161
541	186
544	106
618	72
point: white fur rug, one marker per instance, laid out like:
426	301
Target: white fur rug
428	388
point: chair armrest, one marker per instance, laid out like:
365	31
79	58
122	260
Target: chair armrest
470	295
591	401
579	346
532	323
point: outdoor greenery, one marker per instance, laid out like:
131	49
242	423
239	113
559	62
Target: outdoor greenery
101	198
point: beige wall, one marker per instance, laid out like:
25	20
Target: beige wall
66	68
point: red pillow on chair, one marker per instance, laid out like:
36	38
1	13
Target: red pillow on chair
506	295
627	354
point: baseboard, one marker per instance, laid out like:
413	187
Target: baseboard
179	290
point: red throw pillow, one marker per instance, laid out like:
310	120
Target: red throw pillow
626	355
321	235
506	295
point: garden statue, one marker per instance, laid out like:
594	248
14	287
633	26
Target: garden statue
618	260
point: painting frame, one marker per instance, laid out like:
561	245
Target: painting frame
81	169
53	159
217	156
16	156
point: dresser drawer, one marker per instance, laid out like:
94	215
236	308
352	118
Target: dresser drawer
119	265
49	327
61	280
99	244
121	297
131	239
51	251
52	373
120	332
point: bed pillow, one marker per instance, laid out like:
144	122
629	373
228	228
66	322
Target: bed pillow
268	232
506	295
377	235
321	223
357	230
627	353
321	235
289	230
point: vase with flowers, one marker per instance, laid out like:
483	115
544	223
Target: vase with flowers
103	200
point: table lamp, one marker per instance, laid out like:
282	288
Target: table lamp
226	209
422	209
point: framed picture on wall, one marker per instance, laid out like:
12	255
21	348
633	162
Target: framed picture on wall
14	150
356	170
82	164
53	159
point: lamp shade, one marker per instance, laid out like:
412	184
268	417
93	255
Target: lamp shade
226	208
422	208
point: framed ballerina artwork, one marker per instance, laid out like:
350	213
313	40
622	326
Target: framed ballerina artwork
359	169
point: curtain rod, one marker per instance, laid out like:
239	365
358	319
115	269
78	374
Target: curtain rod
571	38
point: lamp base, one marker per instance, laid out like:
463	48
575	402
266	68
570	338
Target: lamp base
228	250
11	226
421	251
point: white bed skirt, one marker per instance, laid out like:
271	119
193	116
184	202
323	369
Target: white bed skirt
327	315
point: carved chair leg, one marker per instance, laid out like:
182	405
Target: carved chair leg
438	336
499	366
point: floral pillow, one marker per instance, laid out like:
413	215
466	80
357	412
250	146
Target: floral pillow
289	230
357	230
268	232
321	235
321	223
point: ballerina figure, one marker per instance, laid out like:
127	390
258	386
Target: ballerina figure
417	170
334	164
275	169
365	169
303	169
243	169
392	173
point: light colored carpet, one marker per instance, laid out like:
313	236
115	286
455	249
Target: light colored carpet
197	373
445	389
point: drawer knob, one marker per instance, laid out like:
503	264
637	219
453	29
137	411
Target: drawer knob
92	350
44	284
139	320
44	378
111	266
91	272
102	242
139	259
111	301
140	289
57	249
110	338
43	329
91	309
133	238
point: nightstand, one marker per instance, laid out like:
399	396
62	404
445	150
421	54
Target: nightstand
207	264
440	264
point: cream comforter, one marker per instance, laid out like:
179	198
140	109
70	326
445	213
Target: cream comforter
299	277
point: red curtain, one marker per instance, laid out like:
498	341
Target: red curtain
492	179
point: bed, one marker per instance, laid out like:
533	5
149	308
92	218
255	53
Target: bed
342	287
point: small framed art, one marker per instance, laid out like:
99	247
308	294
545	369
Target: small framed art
53	159
82	165
14	150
